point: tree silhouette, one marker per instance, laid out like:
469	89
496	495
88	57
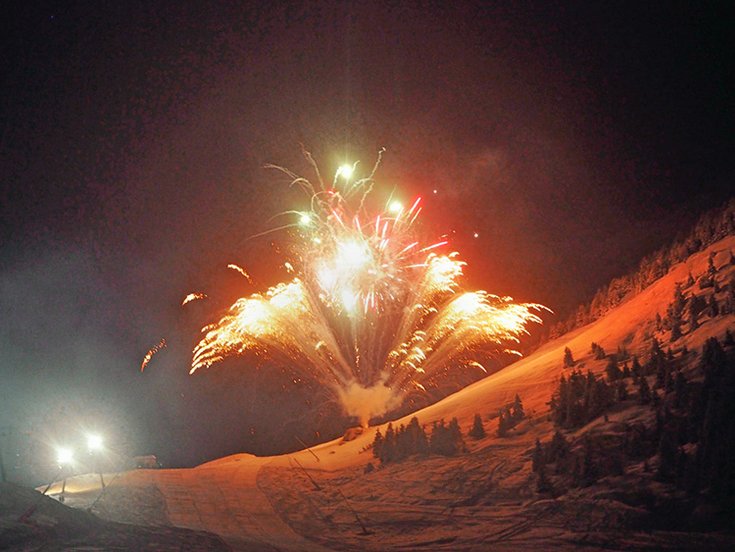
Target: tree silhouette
568	358
713	307
478	430
502	425
517	413
644	391
537	458
636	369
597	351
612	370
378	444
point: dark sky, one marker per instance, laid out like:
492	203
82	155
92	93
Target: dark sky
573	138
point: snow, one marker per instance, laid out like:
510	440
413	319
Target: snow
30	521
321	499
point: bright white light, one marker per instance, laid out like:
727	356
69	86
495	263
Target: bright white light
352	254
475	235
436	191
94	442
349	300
64	456
327	278
345	171
395	207
305	219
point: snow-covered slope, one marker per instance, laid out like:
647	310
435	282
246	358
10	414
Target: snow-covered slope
29	521
322	497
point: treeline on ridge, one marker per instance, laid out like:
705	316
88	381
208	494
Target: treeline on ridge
710	228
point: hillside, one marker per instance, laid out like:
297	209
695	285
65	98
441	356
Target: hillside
29	521
338	496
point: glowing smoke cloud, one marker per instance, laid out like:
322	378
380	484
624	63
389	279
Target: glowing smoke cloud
372	313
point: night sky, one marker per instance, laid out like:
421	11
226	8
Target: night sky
572	138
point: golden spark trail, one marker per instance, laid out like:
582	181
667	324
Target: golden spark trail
193	297
241	270
371	313
152	351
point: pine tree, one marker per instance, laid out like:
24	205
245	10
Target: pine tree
728	341
717	425
478	430
388	449
543	485
438	443
680	390
568	358
727	305
693	313
589	469
411	434
597	351
677	307
626	370
422	442
598	399
690	280
447	440
559	402
537	458
377	444
558	448
502	425
714	309
612	370
517	413
415	438
455	437
655	399
675	328
711	270
644	391
402	445
655	347
636	368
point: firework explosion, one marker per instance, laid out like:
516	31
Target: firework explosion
372	313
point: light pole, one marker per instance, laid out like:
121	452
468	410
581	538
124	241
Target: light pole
65	457
95	445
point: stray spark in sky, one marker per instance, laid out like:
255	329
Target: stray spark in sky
193	297
241	270
372	313
152	351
